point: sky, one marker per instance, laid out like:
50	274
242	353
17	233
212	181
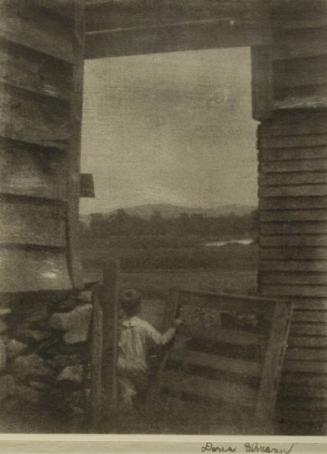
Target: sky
171	128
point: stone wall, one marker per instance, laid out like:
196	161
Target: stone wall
44	363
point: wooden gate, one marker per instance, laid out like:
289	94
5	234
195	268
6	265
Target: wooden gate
225	362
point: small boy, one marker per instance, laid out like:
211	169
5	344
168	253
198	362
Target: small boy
137	336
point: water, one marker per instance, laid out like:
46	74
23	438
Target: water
243	242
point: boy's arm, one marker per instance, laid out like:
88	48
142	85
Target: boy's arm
162	339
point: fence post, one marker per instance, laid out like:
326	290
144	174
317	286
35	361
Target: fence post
109	292
96	363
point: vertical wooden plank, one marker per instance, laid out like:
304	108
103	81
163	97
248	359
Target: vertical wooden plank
171	307
273	363
262	82
96	364
109	299
75	145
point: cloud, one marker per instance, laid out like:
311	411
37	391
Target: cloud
173	128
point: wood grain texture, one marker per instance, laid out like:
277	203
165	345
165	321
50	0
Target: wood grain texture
24	68
32	171
273	362
74	151
309	316
293	141
294	178
302	354
292	228
308	341
132	28
96	363
294	266
295	291
30	119
24	223
293	278
304	380
309	329
296	123
296	216
293	241
294	203
299	73
21	24
205	360
262	82
293	154
305	190
109	302
303	43
111	14
319	367
33	270
213	390
293	253
228	336
194	35
295	166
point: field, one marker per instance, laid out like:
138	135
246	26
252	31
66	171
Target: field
154	269
154	265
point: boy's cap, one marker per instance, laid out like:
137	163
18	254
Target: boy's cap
130	296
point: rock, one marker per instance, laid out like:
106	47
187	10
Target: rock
31	365
67	305
62	361
73	374
7	386
3	326
4	311
37	313
75	324
28	394
29	334
78	398
3	355
38	385
14	348
77	411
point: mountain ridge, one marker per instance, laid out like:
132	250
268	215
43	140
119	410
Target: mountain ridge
172	211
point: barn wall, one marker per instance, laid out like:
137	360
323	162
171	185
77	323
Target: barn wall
293	205
41	71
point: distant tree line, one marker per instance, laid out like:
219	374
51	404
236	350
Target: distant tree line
122	223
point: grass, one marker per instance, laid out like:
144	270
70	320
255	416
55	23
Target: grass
154	269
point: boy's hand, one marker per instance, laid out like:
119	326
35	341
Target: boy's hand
177	322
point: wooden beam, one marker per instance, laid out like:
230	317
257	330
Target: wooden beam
262	82
87	185
74	155
109	300
96	402
124	14
133	28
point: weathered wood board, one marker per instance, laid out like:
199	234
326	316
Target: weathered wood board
134	27
41	62
229	351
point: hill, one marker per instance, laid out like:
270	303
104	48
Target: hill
173	211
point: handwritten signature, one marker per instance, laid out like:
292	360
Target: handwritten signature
247	447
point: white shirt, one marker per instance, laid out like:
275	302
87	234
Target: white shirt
136	337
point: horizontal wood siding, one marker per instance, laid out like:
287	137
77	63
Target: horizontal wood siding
293	202
293	242
33	269
38	57
136	27
31	170
299	58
